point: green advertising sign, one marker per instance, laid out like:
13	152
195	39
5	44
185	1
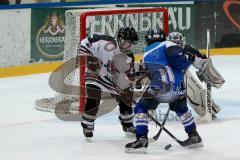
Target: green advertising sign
181	18
47	34
48	29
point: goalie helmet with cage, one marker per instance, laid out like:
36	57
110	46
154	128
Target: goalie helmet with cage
127	36
155	35
177	38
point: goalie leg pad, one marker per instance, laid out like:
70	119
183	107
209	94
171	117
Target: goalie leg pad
196	95
208	73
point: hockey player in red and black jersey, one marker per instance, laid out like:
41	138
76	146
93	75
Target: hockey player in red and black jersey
116	67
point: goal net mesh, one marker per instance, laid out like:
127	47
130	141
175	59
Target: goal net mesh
84	22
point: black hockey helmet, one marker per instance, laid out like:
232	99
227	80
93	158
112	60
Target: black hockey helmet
128	33
126	37
155	35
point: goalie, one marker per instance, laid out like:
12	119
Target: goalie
196	94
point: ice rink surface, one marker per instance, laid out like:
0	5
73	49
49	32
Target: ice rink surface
28	134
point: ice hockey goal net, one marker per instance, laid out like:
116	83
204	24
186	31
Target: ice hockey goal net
80	23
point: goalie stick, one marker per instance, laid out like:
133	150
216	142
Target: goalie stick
209	89
208	115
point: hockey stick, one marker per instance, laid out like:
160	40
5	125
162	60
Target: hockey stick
155	138
208	113
168	132
154	120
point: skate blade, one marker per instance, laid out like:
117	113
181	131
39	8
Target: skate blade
129	134
196	145
142	150
89	139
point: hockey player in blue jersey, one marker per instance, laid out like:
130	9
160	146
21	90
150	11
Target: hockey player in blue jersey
166	63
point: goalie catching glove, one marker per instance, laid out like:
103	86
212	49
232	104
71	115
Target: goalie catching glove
208	73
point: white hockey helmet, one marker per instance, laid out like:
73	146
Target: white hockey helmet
177	38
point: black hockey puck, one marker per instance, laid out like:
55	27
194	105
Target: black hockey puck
167	147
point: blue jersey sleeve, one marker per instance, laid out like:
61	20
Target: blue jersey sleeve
176	57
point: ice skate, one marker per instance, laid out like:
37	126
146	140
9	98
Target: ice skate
138	146
88	131
193	141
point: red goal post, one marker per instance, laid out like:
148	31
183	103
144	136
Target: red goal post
83	29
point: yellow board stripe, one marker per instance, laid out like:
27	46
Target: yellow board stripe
49	67
223	51
28	69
